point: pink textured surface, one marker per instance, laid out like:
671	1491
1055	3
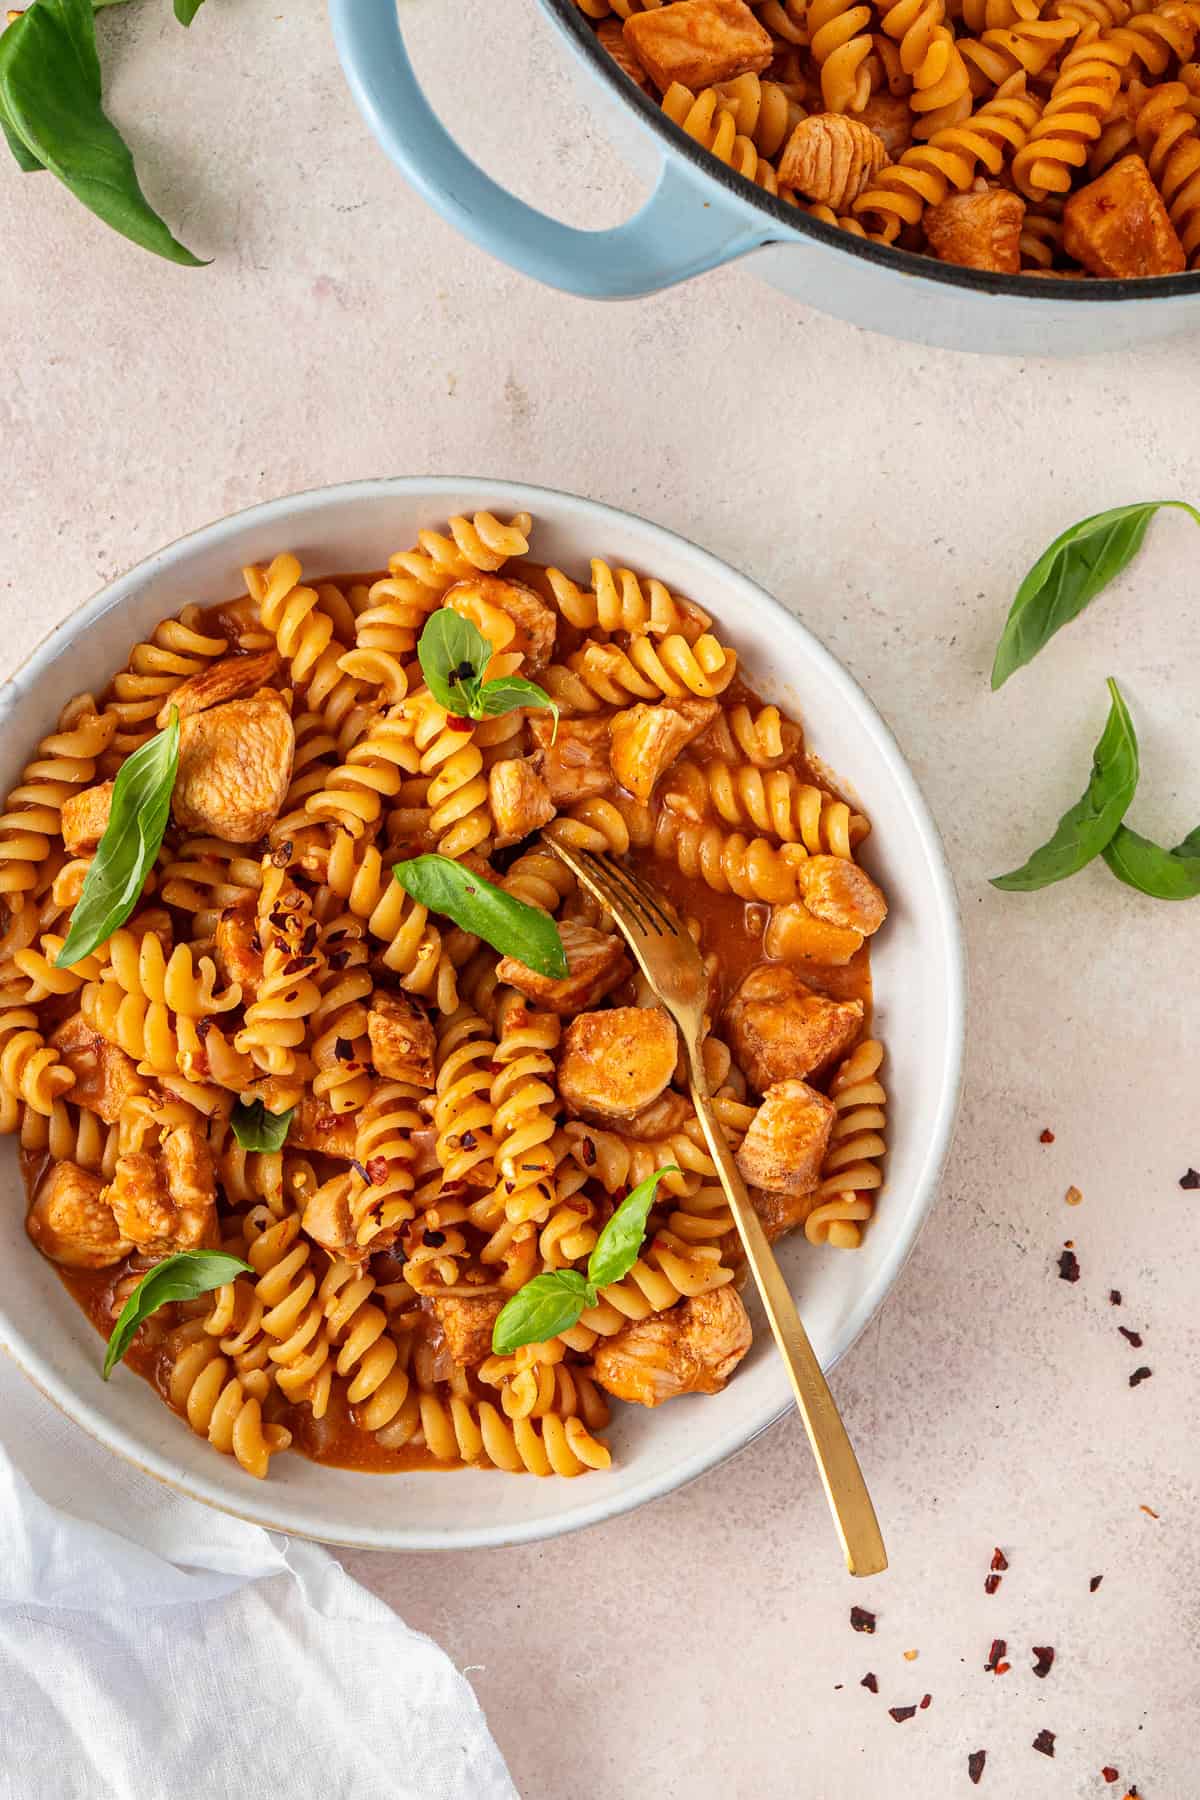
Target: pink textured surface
892	497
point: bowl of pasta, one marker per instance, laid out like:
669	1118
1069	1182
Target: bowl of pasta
989	175
339	1111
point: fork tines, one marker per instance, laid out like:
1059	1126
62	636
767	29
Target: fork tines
624	887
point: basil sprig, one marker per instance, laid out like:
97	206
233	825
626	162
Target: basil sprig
257	1129
507	924
1086	828
454	654
1078	565
181	1277
137	819
553	1302
186	10
1146	866
53	118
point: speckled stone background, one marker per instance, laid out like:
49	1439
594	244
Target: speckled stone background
892	497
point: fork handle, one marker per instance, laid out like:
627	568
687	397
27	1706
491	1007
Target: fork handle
841	1477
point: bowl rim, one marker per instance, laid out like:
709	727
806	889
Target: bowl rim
482	492
1100	289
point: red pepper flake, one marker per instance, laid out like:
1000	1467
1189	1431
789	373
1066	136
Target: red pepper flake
861	1619
975	1762
1114	1296
838	1686
343	1049
1047	1136
1068	1266
1131	1337
999	1560
995	1655
1094	1583
1140	1375
1045	1660
1109	1773
1044	1741
991	1584
1191	1179
1148	1510
870	1682
377	1170
588	1152
925	1701
900	1713
456	722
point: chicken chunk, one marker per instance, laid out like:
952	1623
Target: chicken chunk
615	1063
830	158
779	1213
315	1127
647	739
699	42
72	1223
788	1136
84	817
978	231
519	798
235	763
693	1348
536	622
166	1199
105	1077
779	1029
1118	225
239	956
597	964
664	1116
794	935
402	1039
574	764
230	679
891	119
842	894
467	1324
328	1221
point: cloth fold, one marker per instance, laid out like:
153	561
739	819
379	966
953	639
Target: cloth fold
150	1646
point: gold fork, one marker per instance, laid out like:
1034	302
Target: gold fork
671	963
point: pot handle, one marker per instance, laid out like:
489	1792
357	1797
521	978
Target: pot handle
675	235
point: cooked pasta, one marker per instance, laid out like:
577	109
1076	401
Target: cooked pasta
451	1129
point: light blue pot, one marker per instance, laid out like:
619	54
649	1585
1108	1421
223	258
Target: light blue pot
701	215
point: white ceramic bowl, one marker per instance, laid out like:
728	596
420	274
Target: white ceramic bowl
918	969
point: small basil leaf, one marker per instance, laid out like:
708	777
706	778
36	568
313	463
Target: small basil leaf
1146	866
186	10
453	654
180	1277
50	99
1078	565
616	1249
508	692
1083	831
545	1306
257	1129
137	819
508	925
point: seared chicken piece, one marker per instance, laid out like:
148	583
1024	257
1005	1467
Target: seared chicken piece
519	798
239	956
668	1114
842	894
166	1200
105	1078
84	817
467	1324
780	1029
699	42
235	763
72	1223
230	679
794	934
536	622
402	1039
779	1213
1117	225
647	739
327	1221
315	1127
830	159
978	231
693	1348
891	119
574	766
617	1062
597	964
788	1136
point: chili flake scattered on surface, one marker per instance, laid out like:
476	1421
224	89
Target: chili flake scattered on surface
1073	1196
991	1584
1191	1179
861	1619
1114	1296
1047	1136
975	1762
1109	1773
1094	1583
1045	1660
910	1655
900	1713
1140	1375
926	1700
1044	1741
995	1656
1148	1510
1068	1266
999	1560
1131	1337
870	1682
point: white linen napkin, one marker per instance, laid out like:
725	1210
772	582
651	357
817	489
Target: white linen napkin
150	1647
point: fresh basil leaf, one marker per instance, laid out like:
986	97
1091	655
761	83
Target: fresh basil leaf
616	1249
508	925
1078	565
186	10
545	1306
137	819
1146	866
25	160
50	99
453	654
508	692
181	1277
1084	831
257	1129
